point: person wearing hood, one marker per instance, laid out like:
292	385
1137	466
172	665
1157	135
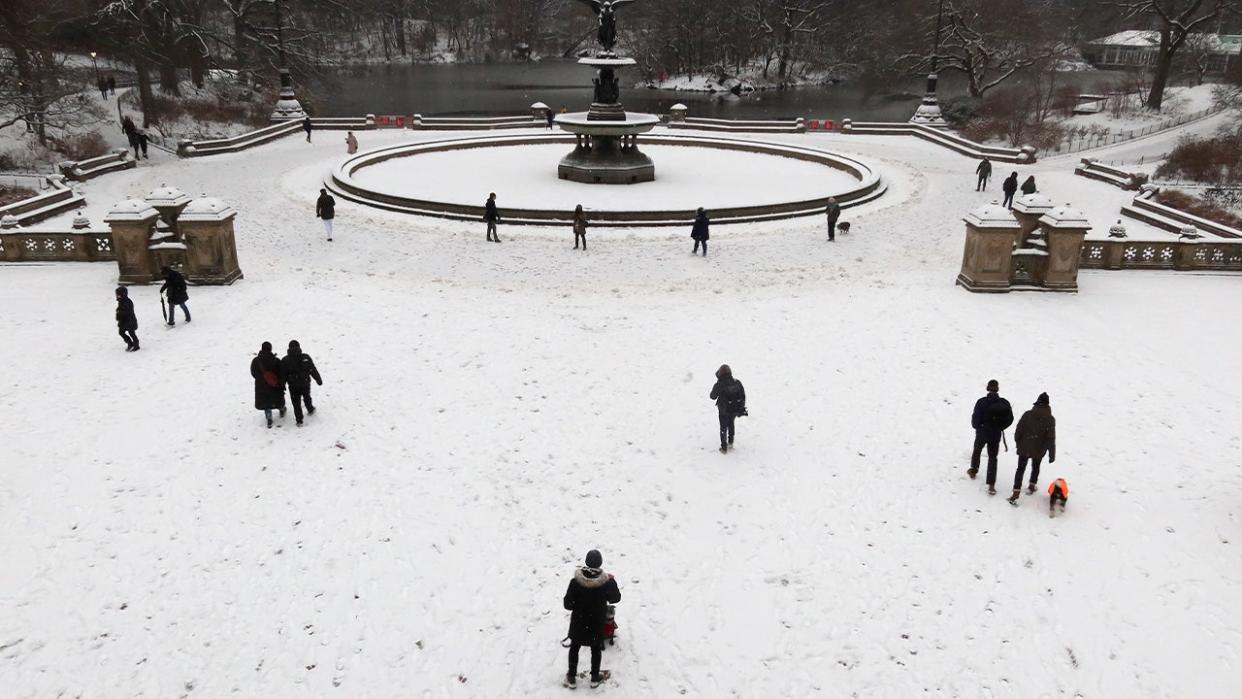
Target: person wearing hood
590	592
126	319
699	233
834	213
299	369
307	126
730	397
351	142
580	226
174	285
984	171
325	209
1009	187
991	417
1028	187
1034	437
269	383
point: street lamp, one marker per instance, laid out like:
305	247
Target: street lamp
93	54
287	106
928	112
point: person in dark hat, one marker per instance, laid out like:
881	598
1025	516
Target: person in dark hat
269	383
700	233
299	369
730	397
1009	187
126	319
177	294
991	417
590	592
1034	437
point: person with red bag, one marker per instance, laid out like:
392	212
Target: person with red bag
269	383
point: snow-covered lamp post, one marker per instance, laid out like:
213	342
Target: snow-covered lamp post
928	112
287	106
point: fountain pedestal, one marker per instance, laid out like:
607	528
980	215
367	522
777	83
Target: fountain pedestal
607	147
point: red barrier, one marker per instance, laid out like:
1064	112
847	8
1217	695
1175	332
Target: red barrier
390	122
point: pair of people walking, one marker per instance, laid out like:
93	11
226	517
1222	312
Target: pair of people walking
273	374
1035	437
1010	187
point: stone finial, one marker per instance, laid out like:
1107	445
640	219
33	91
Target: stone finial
1117	230
165	196
1189	232
1034	203
81	222
991	216
206	208
8	222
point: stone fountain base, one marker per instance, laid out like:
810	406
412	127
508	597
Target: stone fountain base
606	151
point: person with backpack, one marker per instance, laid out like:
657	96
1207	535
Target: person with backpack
491	215
126	319
299	369
590	592
991	417
325	209
269	383
700	233
1009	187
984	171
580	226
174	284
1034	437
730	397
834	213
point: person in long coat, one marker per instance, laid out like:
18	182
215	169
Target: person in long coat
126	319
351	142
269	382
1028	187
177	294
984	171
834	212
580	226
700	233
491	216
1009	187
307	126
1034	437
730	397
991	417
325	209
590	592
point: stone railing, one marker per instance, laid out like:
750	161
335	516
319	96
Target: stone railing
517	121
1195	255
56	246
83	170
1145	208
192	149
1023	155
739	125
1096	170
58	199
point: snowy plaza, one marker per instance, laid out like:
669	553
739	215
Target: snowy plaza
491	412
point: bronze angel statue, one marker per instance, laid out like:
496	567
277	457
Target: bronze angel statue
606	11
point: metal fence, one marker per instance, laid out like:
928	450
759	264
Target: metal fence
1079	141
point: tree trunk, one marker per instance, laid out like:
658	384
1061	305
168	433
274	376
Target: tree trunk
168	79
1160	78
399	20
146	98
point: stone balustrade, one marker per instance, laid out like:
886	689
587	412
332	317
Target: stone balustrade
82	170
56	246
59	198
1023	155
1190	255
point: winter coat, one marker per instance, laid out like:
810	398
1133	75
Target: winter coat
306	125
351	144
1036	433
726	390
984	169
125	317
1011	184
266	395
325	207
490	213
834	212
992	416
174	284
580	225
700	232
590	592
299	369
1028	187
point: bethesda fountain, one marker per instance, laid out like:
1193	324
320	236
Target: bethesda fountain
606	151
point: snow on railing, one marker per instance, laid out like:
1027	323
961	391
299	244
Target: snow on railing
1096	170
187	148
82	170
59	198
1190	255
1025	154
1083	138
17	245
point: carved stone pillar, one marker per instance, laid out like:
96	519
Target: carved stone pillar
987	261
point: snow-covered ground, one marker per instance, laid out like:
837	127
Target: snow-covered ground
490	412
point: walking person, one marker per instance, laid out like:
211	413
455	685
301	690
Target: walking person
834	213
550	117
112	85
984	171
102	85
307	126
1009	187
991	417
730	397
143	139
174	284
126	319
590	592
299	369
1034	437
1028	187
269	383
700	232
351	142
580	226
325	209
492	216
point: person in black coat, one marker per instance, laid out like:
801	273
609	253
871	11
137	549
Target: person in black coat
307	126
1028	187
590	592
175	285
1009	187
325	209
992	415
299	369
492	216
834	213
730	397
984	171
269	383
126	319
700	232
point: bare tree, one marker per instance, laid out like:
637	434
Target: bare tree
1176	21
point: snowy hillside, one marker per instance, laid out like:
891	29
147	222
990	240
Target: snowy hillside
491	412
